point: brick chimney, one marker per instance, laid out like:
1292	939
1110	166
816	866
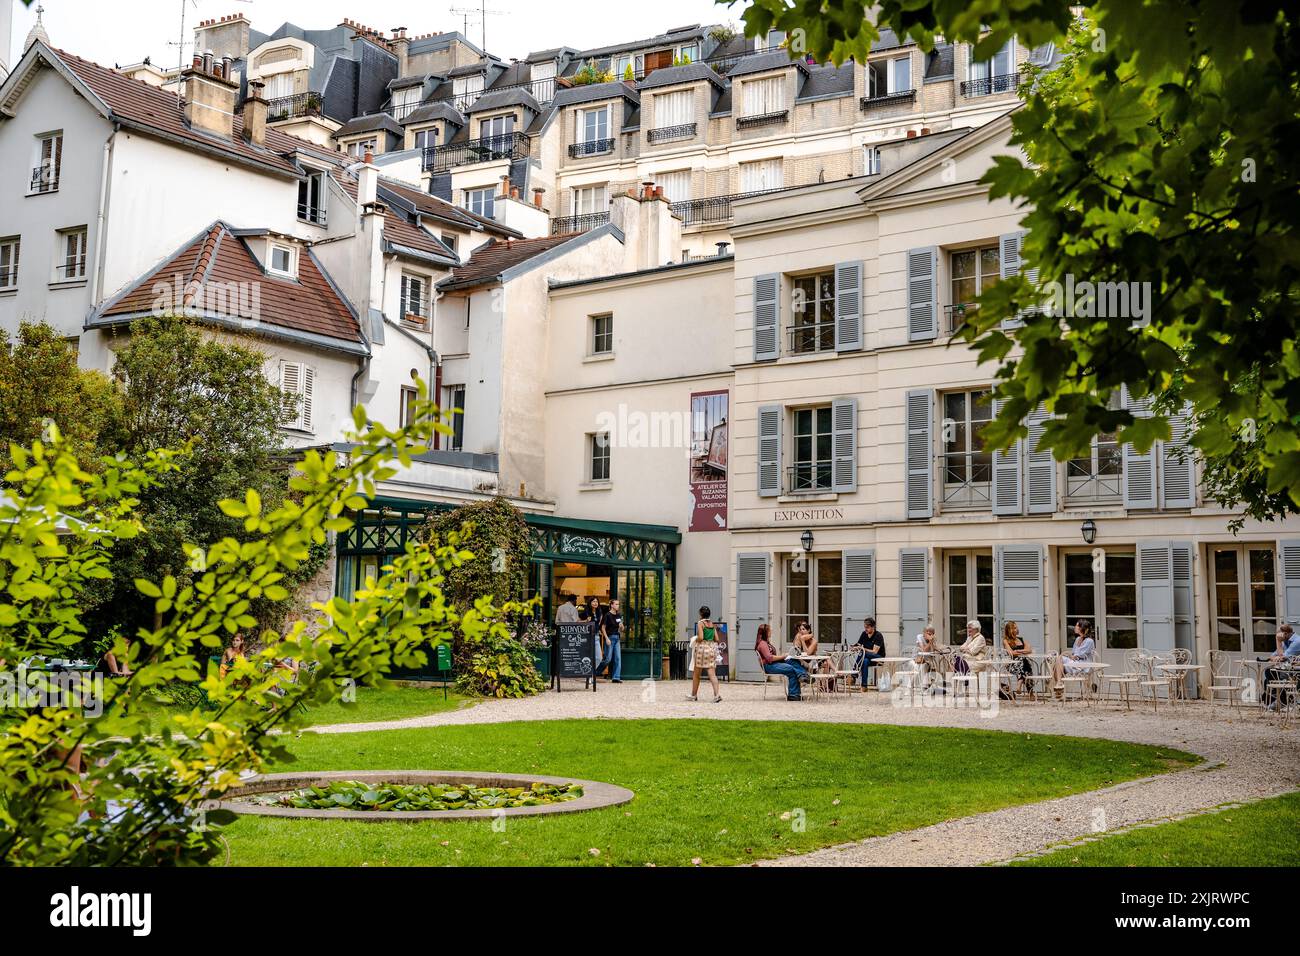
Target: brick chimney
652	235
255	114
209	99
402	47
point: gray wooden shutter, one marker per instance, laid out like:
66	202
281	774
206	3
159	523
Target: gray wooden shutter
913	595
1289	559
1155	595
767	317
1040	467
703	592
1139	468
752	571
1006	476
848	306
920	448
1018	570
769	450
1183	556
922	294
844	444
1009	260
1177	469
545	611
858	570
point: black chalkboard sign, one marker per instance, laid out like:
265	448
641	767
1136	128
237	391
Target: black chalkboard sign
575	652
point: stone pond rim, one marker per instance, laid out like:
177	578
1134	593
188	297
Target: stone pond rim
594	795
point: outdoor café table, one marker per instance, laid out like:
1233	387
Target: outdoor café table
1178	676
811	663
1260	668
1094	668
891	667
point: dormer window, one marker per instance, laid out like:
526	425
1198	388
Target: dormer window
282	260
497	127
889	77
311	199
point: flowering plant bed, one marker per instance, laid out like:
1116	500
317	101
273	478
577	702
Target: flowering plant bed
353	795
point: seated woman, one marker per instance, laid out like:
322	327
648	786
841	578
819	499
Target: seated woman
774	663
1075	660
973	656
232	653
926	647
805	644
110	666
1021	668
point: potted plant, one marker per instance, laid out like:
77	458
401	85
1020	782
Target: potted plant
313	104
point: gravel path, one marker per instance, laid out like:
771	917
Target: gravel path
1246	758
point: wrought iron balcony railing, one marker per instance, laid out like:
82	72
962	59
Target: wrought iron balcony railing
990	85
810	337
488	149
965	480
292	107
561	225
45	179
312	214
808	477
868	103
666	134
955	316
713	209
762	119
592	147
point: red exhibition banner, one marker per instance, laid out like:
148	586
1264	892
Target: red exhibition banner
708	461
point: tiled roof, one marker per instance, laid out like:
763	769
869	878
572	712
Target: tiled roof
491	259
496	99
828	81
434	111
150	109
672	75
368	124
939	62
308	304
763	62
591	92
433	206
400	230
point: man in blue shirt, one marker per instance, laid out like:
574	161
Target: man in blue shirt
1288	650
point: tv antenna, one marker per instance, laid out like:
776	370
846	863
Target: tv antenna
482	13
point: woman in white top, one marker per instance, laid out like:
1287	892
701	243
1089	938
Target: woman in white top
1073	662
975	652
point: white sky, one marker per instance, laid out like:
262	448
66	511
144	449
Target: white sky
126	31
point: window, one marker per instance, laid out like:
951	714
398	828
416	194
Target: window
404	101
1245	598
71	262
871	160
497	126
588	200
449	240
593	125
1101	588
426	138
761	176
406	409
967	468
812	433
602	334
688	52
296	381
454	404
359	149
598	456
466	89
622	62
414	301
765	96
281	260
814	592
973	271
541	77
997	72
677	185
970	594
1100	476
278	85
674	109
311	199
479	201
812	305
9	249
49	163
887	77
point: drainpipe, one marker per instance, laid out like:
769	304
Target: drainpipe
101	218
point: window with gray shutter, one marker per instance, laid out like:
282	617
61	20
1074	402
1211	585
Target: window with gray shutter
769	450
1183	556
1155	596
1040	467
1018	571
920	448
767	317
844	445
1009	259
1006	476
752	574
922	294
859	579
1177	468
703	592
913	596
848	306
1139	467
1289	558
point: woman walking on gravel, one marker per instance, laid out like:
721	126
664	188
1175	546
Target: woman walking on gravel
705	646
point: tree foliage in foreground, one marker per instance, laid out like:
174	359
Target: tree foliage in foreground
84	788
1164	150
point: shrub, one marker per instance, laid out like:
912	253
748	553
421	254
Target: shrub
498	665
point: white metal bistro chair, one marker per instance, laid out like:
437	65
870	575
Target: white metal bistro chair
1152	681
822	676
848	669
1225	681
1125	682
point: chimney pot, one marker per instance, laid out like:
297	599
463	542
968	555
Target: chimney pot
537	196
911	134
722	247
368	158
925	131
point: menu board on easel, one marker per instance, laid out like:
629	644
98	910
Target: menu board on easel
574	648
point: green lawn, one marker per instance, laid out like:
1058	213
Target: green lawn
373	703
714	790
1258	834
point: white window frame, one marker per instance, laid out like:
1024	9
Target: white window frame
308	211
601	340
589	200
480	200
359	149
505	122
762	175
955	623
1245	606
292	271
589	132
870	160
454	397
816	466
421	300
10	259
826	636
764	95
676	108
676	184
70	247
1101	617
987	69
48	182
598	452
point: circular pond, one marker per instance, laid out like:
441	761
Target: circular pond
274	795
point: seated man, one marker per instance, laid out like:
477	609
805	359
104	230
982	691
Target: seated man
774	663
874	643
1288	650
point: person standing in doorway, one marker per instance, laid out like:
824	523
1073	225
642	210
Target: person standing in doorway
611	631
706	655
568	612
